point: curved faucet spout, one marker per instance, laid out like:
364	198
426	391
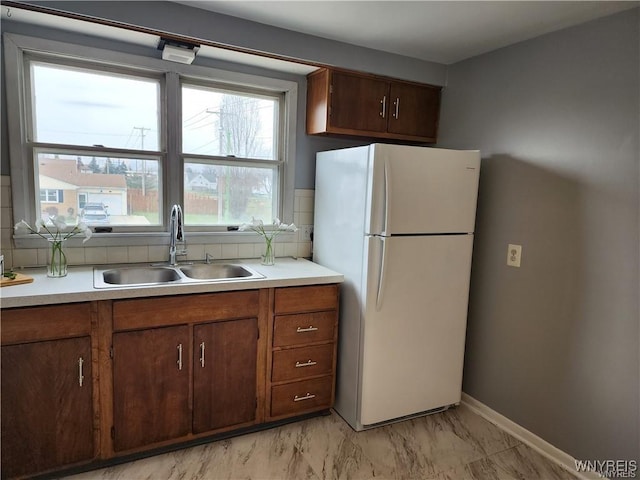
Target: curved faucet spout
176	232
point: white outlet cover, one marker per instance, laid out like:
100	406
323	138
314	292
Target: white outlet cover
514	255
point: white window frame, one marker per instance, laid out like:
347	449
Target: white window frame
48	190
21	154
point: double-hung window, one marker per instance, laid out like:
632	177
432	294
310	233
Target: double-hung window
114	140
232	155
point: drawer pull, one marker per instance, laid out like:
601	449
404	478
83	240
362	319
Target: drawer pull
309	363
308	396
310	328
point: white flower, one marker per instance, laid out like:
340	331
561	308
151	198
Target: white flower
257	226
56	232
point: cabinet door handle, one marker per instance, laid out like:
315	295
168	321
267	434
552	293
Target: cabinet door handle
397	114
310	328
383	113
309	363
202	354
308	396
80	371
179	362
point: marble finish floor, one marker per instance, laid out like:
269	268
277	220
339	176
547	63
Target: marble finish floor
453	445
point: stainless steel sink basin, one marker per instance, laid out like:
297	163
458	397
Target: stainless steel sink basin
135	275
215	271
140	275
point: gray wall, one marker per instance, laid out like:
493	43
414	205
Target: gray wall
553	345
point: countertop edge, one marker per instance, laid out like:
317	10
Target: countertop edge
45	291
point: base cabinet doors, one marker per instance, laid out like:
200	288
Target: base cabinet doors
47	405
151	371
224	374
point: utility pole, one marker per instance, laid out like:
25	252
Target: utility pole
144	170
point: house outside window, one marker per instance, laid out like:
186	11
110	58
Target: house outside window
133	135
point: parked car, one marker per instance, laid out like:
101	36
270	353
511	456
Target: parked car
94	213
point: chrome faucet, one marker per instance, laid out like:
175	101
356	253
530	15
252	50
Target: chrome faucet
176	232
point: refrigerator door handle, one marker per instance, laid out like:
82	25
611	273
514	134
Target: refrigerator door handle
387	195
381	272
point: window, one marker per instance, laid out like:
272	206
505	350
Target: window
230	147
135	135
75	107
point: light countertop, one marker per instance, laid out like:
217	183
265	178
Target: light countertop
78	286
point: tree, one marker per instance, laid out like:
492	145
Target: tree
93	165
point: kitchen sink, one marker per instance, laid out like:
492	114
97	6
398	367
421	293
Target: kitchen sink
215	271
138	275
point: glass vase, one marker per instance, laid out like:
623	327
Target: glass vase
56	259
269	257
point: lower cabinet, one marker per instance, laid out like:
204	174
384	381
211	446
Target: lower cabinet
47	391
174	382
224	375
303	350
151	372
165	370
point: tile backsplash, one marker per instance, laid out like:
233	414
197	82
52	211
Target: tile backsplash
88	255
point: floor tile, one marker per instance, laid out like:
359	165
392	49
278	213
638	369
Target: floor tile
524	463
453	445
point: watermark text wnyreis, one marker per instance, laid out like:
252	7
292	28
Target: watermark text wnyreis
609	468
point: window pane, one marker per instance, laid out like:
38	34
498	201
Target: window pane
99	190
218	122
228	195
82	107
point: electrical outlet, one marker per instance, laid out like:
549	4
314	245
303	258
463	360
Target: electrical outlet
514	254
306	230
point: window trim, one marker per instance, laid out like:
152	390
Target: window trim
22	168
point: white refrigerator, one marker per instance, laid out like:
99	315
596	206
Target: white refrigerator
398	222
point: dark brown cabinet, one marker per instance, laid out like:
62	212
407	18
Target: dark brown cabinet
47	389
151	370
174	382
348	103
303	350
85	383
224	376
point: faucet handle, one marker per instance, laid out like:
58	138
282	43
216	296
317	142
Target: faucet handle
208	258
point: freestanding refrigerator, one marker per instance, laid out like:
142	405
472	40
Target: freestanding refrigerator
398	222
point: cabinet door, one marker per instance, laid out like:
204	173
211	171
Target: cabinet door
224	378
414	110
358	102
47	406
151	370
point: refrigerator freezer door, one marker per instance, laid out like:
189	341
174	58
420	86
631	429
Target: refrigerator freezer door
416	190
414	324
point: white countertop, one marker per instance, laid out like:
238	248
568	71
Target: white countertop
77	286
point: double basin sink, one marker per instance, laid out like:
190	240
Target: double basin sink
127	276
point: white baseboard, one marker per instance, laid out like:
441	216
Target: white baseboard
562	459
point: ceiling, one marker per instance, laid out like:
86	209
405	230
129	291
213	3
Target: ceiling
439	31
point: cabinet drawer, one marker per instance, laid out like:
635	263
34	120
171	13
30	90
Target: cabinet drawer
304	328
297	363
298	397
51	322
306	299
167	311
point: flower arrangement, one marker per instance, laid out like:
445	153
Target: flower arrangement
258	226
55	232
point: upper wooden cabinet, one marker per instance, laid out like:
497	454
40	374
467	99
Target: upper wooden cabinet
347	103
